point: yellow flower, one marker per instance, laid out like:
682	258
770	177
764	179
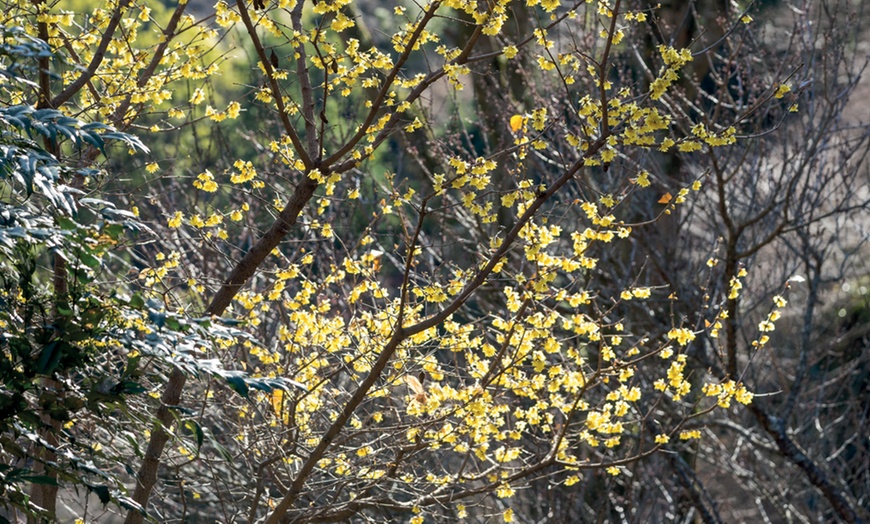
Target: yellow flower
682	335
504	491
641	292
197	97
175	220
205	181
642	179
233	110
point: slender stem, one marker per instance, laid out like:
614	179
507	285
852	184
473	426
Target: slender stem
385	88
147	73
108	34
273	83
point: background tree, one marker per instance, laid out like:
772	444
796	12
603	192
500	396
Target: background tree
51	344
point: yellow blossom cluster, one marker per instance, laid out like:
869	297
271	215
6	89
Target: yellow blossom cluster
674	60
768	324
726	391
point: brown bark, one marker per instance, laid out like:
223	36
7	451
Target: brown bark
147	475
45	495
400	333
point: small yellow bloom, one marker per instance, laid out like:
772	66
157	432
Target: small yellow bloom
687	434
175	220
642	179
198	96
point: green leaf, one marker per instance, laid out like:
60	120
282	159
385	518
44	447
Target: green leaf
136	301
173	323
158	318
66	224
102	492
89	260
130	387
221	450
114	231
49	358
238	383
40	479
193	428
